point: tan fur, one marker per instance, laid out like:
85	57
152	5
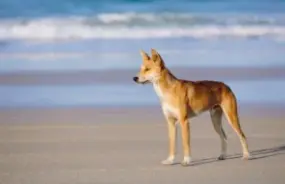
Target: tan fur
182	99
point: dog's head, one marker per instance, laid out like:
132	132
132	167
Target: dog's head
151	68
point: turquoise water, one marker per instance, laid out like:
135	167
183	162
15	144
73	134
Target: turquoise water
125	95
35	8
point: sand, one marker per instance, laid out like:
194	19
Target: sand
125	146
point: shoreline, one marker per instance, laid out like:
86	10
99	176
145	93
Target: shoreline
125	76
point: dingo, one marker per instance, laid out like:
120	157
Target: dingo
183	99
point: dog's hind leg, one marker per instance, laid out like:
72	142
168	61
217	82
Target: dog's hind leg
229	106
216	117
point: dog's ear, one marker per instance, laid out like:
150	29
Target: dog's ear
144	55
156	57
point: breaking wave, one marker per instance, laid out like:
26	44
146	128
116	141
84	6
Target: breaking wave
143	25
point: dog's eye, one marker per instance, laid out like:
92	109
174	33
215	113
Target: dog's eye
146	69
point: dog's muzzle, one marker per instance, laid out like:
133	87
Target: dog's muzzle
136	79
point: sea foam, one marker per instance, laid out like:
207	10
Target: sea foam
142	26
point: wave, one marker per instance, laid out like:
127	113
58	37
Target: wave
143	25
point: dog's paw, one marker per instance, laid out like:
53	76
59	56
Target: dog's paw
168	161
186	161
246	156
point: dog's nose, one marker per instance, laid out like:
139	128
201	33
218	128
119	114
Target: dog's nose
135	79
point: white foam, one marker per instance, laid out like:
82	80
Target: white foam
60	32
140	26
125	17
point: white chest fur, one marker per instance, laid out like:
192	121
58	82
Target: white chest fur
168	108
158	91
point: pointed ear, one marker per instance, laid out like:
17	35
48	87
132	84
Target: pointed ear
144	55
156	57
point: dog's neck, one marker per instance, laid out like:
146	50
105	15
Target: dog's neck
164	82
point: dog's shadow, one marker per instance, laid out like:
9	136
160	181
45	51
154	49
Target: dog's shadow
257	154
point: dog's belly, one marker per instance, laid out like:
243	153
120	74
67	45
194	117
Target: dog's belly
192	114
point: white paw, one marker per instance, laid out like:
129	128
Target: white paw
168	161
246	156
186	161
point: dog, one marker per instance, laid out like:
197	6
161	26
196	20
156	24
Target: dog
183	99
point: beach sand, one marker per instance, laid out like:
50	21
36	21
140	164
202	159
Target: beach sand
113	145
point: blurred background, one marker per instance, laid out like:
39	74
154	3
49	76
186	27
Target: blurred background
57	53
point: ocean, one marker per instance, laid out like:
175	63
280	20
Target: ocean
118	19
106	35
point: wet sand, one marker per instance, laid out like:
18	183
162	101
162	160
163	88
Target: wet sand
113	145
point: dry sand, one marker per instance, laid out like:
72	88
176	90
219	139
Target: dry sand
125	146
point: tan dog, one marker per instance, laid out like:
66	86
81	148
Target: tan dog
183	99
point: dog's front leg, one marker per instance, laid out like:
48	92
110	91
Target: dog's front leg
186	141
171	121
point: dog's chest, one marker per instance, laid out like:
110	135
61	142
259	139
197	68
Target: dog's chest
167	107
170	110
